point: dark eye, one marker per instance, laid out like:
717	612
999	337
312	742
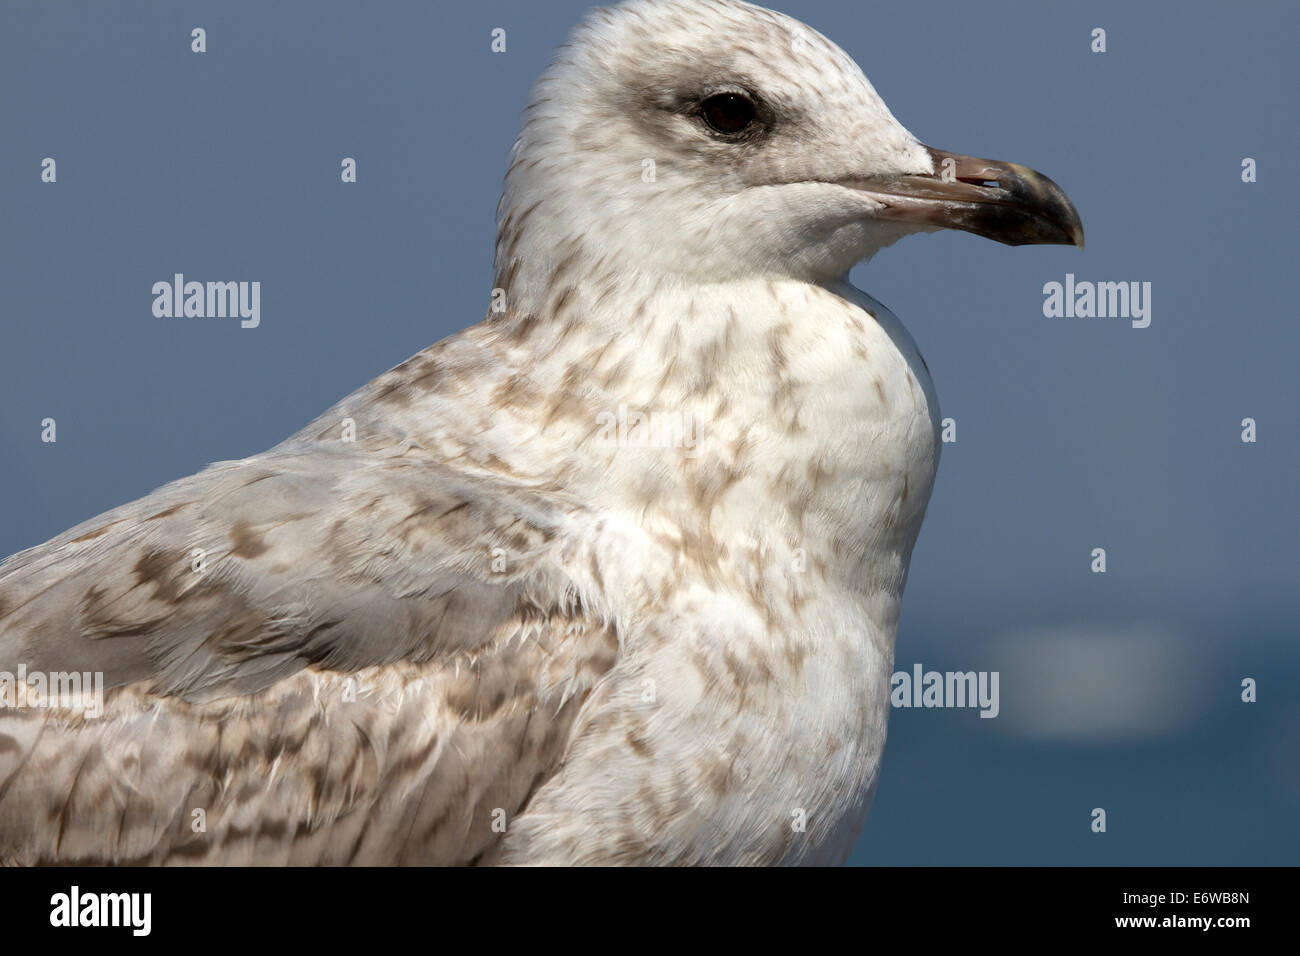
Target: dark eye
728	113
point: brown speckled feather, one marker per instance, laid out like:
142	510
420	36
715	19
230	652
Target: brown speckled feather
353	651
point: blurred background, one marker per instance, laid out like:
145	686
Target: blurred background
1119	690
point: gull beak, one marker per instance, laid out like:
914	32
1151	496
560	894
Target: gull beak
1004	201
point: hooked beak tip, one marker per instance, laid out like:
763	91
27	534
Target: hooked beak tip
1006	202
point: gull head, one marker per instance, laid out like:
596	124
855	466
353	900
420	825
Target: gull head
713	140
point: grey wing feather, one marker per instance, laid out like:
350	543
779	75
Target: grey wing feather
245	584
227	580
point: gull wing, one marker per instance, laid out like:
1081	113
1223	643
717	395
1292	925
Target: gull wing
317	655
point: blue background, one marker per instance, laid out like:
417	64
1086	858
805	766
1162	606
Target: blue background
1118	690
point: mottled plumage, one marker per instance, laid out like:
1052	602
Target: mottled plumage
452	620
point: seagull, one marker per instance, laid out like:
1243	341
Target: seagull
611	577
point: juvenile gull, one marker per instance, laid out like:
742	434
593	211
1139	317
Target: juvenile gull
493	628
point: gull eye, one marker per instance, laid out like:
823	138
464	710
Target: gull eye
728	113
